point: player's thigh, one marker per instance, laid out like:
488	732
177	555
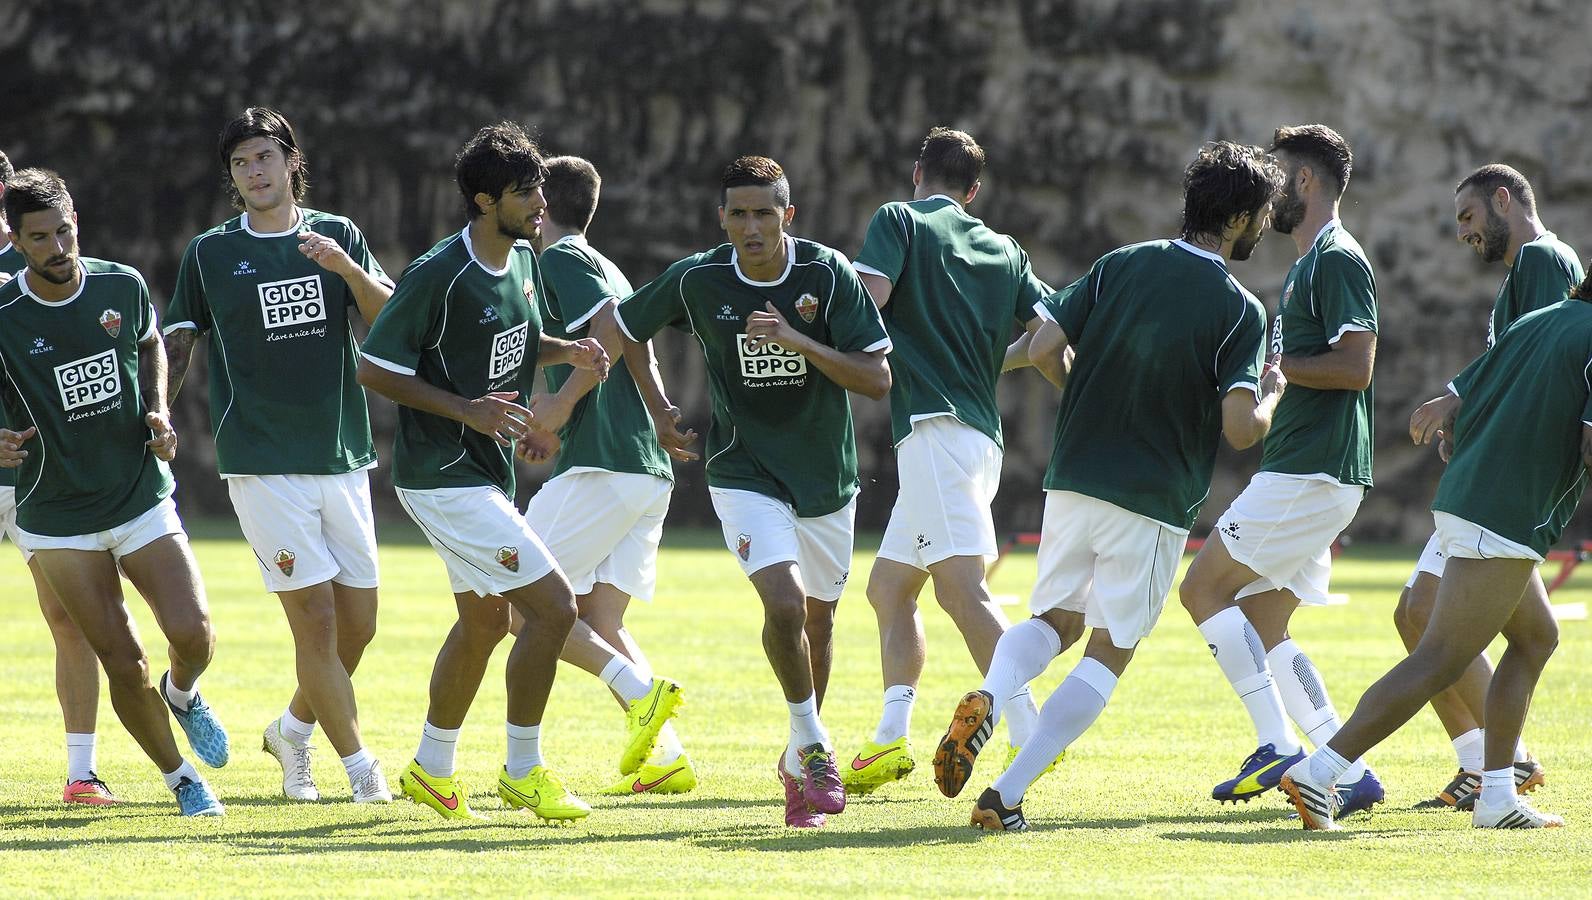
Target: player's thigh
823	551
1532	629
166	573
89	587
758	529
1475	600
486	545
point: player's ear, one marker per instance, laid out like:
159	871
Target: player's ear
721	219
790	214
972	192
484	201
1501	200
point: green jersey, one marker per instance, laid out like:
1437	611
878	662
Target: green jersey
780	426
1517	469
1543	272
610	427
1162	332
1329	292
957	288
470	330
283	399
11	262
70	368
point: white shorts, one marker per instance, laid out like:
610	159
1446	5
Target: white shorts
949	472
1112	566
1431	561
128	537
8	519
762	531
603	527
1460	539
482	539
1283	526
308	529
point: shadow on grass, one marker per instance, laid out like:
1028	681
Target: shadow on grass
1292	834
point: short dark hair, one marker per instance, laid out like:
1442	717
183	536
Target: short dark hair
951	158
756	171
571	190
1324	149
495	160
1493	176
1227	180
32	190
263	122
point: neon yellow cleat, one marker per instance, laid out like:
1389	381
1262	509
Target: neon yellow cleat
542	793
677	777
877	765
448	796
646	717
1011	754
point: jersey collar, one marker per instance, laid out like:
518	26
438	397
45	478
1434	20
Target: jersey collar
1331	224
573	238
790	260
298	222
1213	257
945	197
465	234
22	279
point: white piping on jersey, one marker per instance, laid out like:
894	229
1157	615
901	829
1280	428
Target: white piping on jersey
298	224
680	288
387	364
943	197
465	233
221	344
865	269
1197	251
44	447
82	281
735	256
1348	327
1580	478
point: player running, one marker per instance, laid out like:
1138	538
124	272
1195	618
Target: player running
786	328
1496	211
457	348
83	376
1169	355
273	288
950	290
1271	550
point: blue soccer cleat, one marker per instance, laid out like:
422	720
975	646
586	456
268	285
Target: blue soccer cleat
205	733
1261	772
1360	796
196	799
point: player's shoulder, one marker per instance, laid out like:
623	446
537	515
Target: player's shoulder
807	252
233	225
323	222
104	268
1338	247
722	255
565	253
1546	249
446	257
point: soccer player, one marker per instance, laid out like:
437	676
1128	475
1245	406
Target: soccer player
1271	550
456	348
273	288
1169	352
82	373
76	668
1518	421
1496	212
601	514
950	289
787	329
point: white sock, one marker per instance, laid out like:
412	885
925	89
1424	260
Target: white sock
1327	765
357	764
1069	712
669	746
1498	787
525	749
79	756
1022	717
1521	754
805	730
1469	747
1238	651
436	750
621	675
179	697
1021	655
186	770
1304	695
297	731
896	720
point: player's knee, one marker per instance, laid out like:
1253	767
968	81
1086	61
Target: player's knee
785	614
887	597
554	612
485	626
1539	644
126	666
60	622
192	639
1401	612
820	619
358	633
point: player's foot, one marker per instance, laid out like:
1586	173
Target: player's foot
298	783
1317	803
195	798
990	815
89	791
821	779
878	765
205	734
798	814
448	796
1519	814
646	718
1260	773
541	792
1011	756
1529	776
970	728
1459	794
372	788
1360	796
677	777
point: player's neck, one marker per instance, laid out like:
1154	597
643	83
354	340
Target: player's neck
49	291
552	233
1523	234
1316	218
766	271
489	244
275	220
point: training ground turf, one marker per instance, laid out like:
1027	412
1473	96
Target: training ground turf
1128	813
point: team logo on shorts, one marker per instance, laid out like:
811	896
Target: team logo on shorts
284	560
807	307
1231	530
530	291
924	542
743	546
844	577
111	321
509	558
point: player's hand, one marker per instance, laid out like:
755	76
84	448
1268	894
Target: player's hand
498	417
1433	417
4	277
1445	448
549	413
538	447
11	452
1272	381
768	326
164	443
673	441
588	353
1586	446
326	253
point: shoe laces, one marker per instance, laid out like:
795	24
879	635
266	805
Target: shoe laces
1255	757
819	764
189	791
370	781
552	781
299	771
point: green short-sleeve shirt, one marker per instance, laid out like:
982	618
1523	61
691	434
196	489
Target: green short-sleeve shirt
11	262
1543	272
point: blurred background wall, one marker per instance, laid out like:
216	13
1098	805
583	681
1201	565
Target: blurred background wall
1089	109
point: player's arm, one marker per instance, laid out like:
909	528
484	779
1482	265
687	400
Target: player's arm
370	293
1049	350
1247	411
865	372
585	353
553	410
1346	366
179	346
666	417
495	415
879	288
152	376
11	452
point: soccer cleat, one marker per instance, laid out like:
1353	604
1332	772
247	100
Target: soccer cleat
541	792
89	791
676	777
195	798
448	796
372	788
798	814
205	733
1520	814
298	783
821	779
646	718
953	759
1317	804
1459	794
1011	756
1529	776
878	765
1260	773
1360	796
990	815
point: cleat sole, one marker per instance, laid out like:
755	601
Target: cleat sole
959	748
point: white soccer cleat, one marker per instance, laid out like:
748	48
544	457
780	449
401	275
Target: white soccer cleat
297	781
373	787
1317	803
1519	814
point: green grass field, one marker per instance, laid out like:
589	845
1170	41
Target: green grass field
1128	813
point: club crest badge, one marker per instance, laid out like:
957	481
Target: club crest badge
111	321
530	291
284	560
508	557
807	307
743	546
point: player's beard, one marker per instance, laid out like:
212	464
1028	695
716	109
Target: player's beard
1288	211
1494	237
527	233
49	274
1245	245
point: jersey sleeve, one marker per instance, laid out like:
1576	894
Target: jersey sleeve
1345	294
884	248
408	324
359	251
1071	306
655	305
147	328
1242	355
1460	385
576	287
854	322
1540	280
1031	291
189	308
